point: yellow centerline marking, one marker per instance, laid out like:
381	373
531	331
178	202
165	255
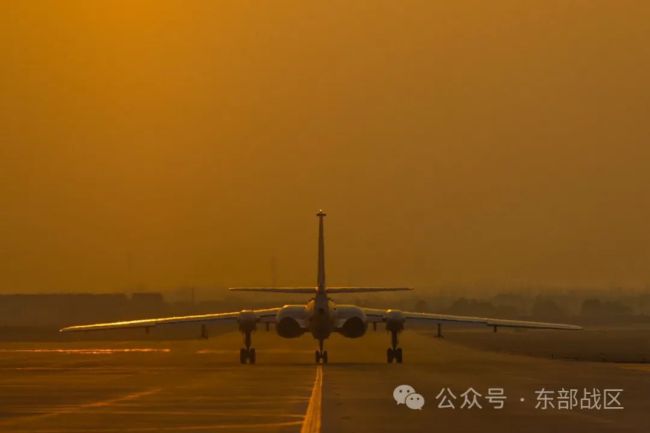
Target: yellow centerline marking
312	421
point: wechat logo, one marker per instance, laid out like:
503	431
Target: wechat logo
405	394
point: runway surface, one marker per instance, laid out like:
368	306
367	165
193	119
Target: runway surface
199	386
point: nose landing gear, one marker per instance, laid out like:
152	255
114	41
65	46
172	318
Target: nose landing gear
320	354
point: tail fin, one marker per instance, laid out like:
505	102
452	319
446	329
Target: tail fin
321	253
321	287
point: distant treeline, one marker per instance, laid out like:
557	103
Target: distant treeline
64	309
560	307
56	310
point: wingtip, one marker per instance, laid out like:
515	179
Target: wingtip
568	327
68	329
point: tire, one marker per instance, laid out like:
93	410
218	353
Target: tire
398	355
324	357
389	355
251	356
243	356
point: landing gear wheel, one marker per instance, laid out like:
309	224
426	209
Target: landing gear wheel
320	356
394	352
247	353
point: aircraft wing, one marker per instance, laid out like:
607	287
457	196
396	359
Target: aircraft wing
377	315
365	289
264	315
312	290
308	290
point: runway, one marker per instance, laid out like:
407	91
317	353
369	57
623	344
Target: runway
199	386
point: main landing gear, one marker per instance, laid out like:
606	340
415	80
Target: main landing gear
320	354
247	354
394	353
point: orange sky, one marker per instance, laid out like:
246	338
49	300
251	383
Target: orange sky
164	144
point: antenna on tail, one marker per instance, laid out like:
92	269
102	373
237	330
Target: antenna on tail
321	253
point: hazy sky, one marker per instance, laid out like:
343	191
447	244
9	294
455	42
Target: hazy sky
166	144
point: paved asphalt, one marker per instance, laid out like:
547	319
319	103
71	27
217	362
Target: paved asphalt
199	386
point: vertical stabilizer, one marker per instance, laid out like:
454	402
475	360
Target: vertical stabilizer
321	253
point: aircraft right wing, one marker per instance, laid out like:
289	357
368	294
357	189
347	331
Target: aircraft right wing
263	315
365	289
377	315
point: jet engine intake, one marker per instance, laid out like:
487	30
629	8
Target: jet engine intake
351	321
394	320
288	321
247	321
354	327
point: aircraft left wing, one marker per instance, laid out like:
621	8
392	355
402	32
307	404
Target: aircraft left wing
377	315
293	290
264	315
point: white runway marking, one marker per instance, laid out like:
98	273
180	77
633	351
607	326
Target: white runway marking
312	421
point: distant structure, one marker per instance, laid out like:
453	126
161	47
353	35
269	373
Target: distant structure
39	310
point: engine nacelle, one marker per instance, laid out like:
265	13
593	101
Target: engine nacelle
351	321
290	321
247	321
394	320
